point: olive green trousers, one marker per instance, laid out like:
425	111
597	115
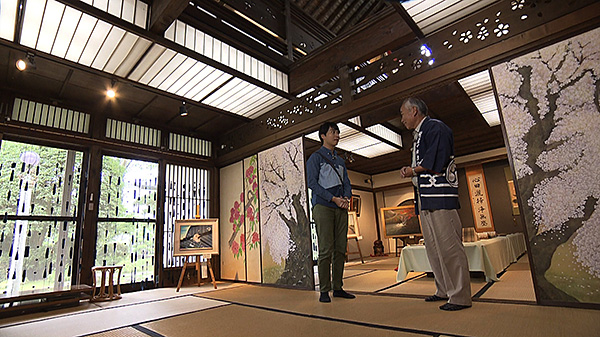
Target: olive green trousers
332	233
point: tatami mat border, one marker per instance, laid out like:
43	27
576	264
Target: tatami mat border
136	325
339	320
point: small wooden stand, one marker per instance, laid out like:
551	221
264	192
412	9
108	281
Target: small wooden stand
103	295
198	266
348	252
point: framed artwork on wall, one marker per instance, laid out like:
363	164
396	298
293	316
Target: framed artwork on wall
353	230
355	204
400	221
196	237
512	191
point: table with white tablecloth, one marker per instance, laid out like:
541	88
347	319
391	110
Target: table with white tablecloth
490	256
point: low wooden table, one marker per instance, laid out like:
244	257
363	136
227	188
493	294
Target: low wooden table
102	294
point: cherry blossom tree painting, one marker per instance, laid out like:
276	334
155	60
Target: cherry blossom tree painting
252	218
285	229
550	108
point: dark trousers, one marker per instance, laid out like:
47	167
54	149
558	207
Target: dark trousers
332	232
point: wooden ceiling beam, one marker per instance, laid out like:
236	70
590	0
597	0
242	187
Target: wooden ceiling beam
145	107
324	62
65	82
327	11
373	135
345	14
409	20
361	12
163	13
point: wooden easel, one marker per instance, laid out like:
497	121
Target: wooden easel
198	266
348	252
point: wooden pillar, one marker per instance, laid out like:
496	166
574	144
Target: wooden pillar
92	197
160	220
345	85
90	219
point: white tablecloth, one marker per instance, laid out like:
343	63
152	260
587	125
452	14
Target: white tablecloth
490	256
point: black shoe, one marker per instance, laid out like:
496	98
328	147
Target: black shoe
453	307
342	293
325	297
435	298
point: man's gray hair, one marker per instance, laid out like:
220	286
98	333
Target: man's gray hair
418	103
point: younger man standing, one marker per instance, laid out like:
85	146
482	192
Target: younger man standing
331	192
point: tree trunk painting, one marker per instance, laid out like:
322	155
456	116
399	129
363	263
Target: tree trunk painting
551	112
285	229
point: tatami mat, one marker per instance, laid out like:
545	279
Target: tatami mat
353	272
425	286
374	263
513	285
106	319
235	320
126	300
123	332
484	319
370	282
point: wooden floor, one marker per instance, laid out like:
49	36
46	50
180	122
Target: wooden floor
382	308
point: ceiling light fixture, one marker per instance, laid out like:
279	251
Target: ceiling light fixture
27	62
110	92
183	110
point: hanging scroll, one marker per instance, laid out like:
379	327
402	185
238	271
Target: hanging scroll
482	214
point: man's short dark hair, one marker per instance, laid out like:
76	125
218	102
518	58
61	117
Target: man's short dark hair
325	127
418	103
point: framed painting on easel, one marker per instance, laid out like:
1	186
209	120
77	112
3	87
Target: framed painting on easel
196	237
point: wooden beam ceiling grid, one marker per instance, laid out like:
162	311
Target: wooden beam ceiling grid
489	26
214	26
312	104
342	12
163	13
161	40
302	18
360	12
563	21
388	70
353	47
266	13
